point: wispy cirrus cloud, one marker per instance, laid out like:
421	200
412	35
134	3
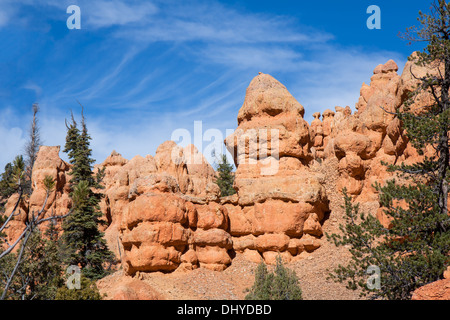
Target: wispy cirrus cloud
143	69
103	14
3	18
268	58
213	22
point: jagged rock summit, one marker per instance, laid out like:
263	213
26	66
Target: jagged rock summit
280	202
165	213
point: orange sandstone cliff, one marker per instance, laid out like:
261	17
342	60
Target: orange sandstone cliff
164	212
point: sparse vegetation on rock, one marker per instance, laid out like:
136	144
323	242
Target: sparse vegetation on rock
282	284
412	248
82	238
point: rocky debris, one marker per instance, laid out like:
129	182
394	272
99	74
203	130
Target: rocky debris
119	286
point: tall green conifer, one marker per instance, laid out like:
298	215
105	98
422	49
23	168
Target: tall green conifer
82	238
415	250
225	178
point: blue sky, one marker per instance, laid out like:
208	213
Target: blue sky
143	69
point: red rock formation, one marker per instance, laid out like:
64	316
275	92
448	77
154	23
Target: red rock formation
58	203
373	134
277	194
164	212
438	290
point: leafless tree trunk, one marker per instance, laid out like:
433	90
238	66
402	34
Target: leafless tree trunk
32	147
32	223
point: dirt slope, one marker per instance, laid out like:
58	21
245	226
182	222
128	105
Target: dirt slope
203	284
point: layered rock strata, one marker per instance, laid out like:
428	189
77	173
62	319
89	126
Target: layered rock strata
164	212
280	202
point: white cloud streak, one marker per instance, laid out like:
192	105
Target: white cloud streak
208	37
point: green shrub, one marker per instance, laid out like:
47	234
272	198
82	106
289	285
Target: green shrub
282	284
88	291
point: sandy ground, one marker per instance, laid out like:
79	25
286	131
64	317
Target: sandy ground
233	283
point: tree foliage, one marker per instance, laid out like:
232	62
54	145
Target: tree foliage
415	249
82	238
33	271
39	275
88	291
11	182
225	179
282	284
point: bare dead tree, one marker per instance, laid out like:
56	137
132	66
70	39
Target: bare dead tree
32	147
32	222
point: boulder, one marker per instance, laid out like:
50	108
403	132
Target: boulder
213	257
438	290
272	242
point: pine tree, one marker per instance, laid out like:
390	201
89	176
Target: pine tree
11	182
88	291
39	276
225	179
82	237
415	249
282	284
6	189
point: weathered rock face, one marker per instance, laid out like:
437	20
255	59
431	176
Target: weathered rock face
280	202
48	163
164	212
438	290
58	203
373	134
